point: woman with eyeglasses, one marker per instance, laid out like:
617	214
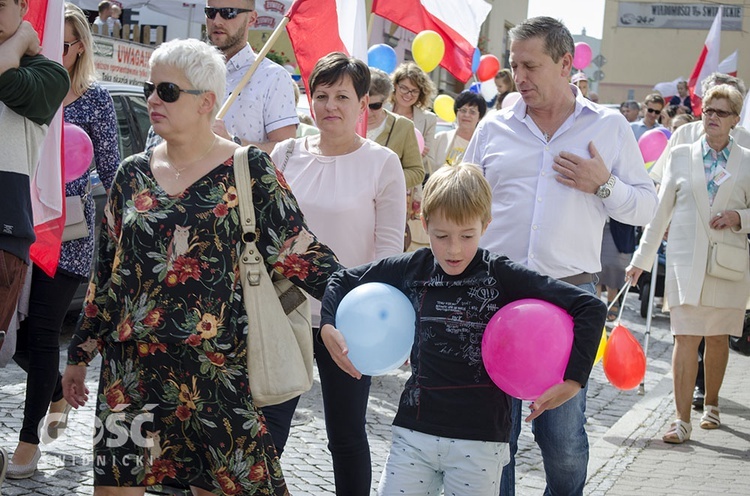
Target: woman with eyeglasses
90	107
165	306
451	145
352	192
705	194
412	96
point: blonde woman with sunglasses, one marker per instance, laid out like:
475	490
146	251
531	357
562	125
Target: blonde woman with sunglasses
165	306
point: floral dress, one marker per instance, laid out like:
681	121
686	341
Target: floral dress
165	308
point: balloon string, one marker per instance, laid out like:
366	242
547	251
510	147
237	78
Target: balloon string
617	298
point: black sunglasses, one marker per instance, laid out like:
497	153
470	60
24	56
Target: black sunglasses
653	111
375	106
227	13
66	46
168	92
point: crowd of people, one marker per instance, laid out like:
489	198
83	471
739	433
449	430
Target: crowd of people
561	179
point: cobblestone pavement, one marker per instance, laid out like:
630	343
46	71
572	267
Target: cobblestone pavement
627	454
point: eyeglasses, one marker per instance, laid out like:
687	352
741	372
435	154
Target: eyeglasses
468	110
710	112
406	91
375	105
168	92
227	13
653	111
66	46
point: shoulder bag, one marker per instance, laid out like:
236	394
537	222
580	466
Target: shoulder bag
279	335
726	261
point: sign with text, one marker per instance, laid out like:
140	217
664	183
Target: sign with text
121	61
677	16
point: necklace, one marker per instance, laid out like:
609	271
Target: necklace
548	136
177	171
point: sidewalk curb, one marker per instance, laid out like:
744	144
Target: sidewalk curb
611	454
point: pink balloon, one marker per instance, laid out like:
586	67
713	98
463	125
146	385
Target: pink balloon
652	144
526	347
582	57
420	140
78	151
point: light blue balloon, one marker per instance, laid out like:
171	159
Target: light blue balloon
382	57
475	59
377	321
476	88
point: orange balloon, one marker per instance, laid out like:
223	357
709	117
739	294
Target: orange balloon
624	360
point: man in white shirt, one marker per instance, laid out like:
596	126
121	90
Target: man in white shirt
264	113
559	165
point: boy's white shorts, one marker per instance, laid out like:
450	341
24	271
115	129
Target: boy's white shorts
420	464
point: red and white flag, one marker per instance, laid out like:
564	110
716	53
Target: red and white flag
457	22
47	186
319	27
708	62
729	65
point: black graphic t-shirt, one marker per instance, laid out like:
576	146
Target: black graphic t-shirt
449	393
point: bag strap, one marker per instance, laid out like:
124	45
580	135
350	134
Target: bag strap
289	151
250	259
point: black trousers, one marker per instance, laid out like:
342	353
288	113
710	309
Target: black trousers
38	346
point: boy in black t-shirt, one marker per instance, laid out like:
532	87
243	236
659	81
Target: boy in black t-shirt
453	424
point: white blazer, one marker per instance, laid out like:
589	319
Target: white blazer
683	201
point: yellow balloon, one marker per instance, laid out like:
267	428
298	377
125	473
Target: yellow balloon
443	107
602	346
428	49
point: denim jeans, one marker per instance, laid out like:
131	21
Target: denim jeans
561	437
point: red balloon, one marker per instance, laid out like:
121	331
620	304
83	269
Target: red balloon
489	66
624	361
652	143
78	151
526	347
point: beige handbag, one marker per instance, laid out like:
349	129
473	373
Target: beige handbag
75	220
279	335
727	261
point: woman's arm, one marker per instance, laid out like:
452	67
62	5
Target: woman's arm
284	240
103	134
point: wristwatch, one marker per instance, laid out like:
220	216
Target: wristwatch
237	140
606	189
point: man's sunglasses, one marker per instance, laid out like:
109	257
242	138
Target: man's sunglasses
375	106
227	13
66	46
653	111
167	92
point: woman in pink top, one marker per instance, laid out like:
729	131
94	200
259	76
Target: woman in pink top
351	191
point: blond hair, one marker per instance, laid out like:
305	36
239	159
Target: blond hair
460	192
83	72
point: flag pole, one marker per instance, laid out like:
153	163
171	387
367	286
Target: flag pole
249	74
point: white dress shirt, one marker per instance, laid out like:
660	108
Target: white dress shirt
265	104
536	221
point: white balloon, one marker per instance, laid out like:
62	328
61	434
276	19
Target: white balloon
488	89
510	99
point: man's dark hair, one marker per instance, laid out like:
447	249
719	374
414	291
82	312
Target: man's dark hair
334	66
557	39
466	97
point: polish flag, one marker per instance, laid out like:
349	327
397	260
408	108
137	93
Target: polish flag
319	27
729	65
457	22
708	62
47	186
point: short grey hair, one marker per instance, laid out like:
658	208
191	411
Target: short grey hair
380	83
717	78
202	64
557	38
